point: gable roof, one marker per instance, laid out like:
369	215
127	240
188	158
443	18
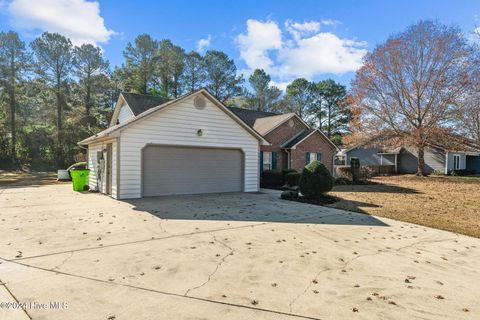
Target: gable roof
250	116
112	131
140	103
304	135
261	121
296	139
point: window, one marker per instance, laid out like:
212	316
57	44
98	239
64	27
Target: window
267	161
456	162
312	156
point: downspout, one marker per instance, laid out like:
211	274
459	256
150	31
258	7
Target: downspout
446	162
396	162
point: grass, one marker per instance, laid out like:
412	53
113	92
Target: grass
451	203
21	178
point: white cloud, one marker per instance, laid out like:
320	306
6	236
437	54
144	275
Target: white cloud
257	41
298	30
308	52
78	20
204	43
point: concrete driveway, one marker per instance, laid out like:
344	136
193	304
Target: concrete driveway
67	255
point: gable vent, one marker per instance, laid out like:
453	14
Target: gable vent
199	103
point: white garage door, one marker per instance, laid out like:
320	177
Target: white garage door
184	170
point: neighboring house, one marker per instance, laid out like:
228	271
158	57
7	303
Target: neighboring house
293	143
405	160
193	144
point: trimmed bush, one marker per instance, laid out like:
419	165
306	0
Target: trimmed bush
462	172
272	178
315	180
292	178
289	194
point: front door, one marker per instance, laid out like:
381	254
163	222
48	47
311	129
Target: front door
109	168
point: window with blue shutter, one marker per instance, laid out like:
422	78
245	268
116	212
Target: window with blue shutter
261	162
319	156
307	158
274	160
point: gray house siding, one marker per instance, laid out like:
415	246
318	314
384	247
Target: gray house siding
370	157
473	163
434	160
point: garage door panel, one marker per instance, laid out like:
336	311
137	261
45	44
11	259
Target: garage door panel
180	170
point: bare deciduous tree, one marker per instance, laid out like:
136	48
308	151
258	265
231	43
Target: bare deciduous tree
410	87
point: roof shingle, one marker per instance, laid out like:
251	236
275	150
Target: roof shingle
139	103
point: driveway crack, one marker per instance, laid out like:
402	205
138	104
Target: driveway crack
231	251
347	263
64	260
15	298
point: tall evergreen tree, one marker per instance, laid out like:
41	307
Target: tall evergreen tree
169	67
300	96
264	97
91	69
222	79
194	74
140	60
53	53
330	108
14	63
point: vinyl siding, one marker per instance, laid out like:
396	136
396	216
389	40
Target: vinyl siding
92	165
124	114
369	157
434	160
463	161
178	125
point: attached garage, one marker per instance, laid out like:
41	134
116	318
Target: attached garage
170	170
193	144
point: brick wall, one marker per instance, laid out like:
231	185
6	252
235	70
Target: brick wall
279	136
314	143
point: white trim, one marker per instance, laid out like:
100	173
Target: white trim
128	123
308	135
118	107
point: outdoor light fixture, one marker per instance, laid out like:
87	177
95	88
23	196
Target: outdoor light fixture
199	132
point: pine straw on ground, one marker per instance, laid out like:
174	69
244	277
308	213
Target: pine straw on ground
21	178
447	203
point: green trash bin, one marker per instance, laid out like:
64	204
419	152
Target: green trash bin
79	178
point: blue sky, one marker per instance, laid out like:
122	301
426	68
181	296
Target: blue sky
313	39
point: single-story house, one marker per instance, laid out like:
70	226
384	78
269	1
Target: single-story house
292	142
437	158
193	144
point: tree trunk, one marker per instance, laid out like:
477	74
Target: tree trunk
88	97
421	160
59	148
13	129
329	129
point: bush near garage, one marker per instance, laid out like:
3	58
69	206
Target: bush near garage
272	178
292	178
315	180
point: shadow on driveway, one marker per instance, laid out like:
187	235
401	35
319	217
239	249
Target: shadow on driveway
254	207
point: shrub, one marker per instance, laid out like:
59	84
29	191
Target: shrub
292	178
342	181
437	173
364	173
462	172
289	194
272	178
344	172
285	171
315	180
